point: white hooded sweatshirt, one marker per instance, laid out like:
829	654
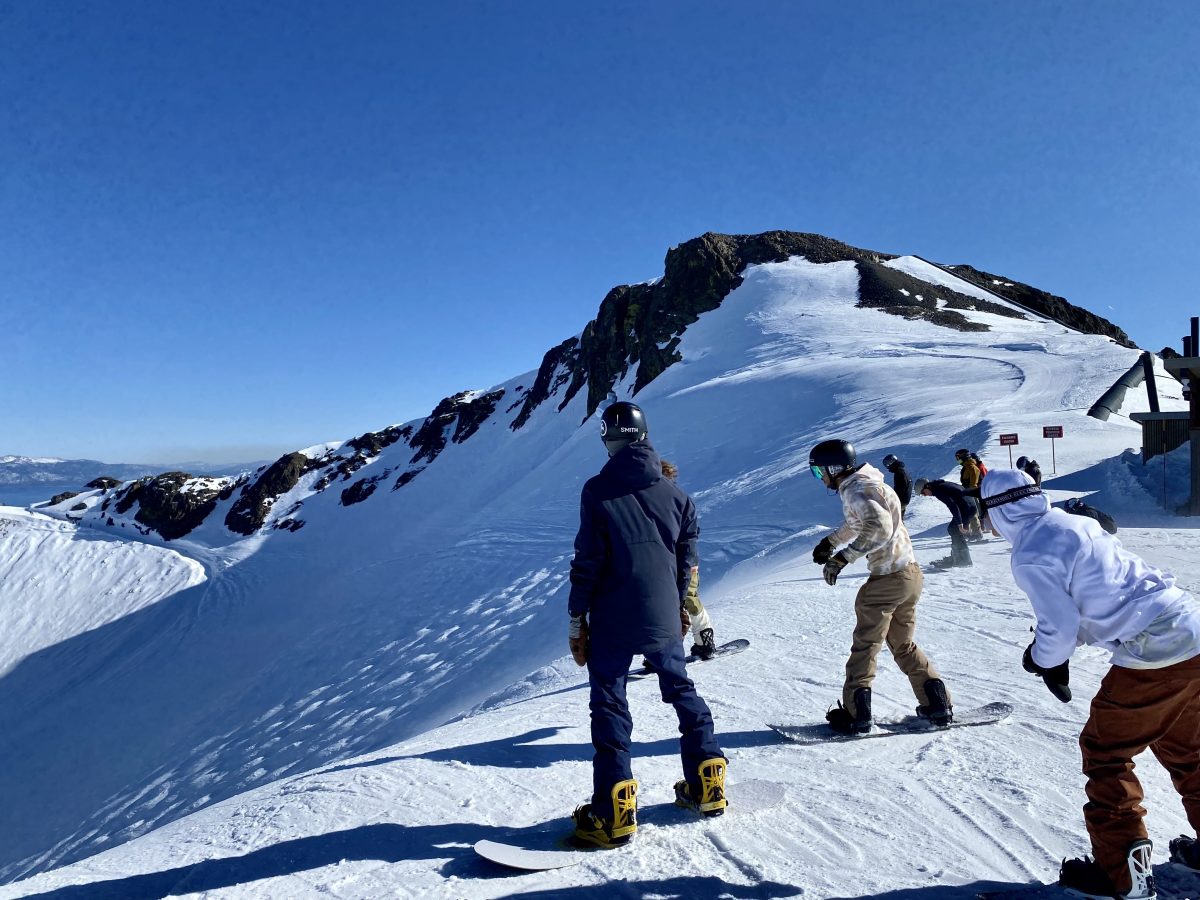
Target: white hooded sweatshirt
1085	588
874	525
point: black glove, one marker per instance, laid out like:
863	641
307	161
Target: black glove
1057	679
823	551
833	568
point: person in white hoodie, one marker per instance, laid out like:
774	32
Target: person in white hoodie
1085	588
886	605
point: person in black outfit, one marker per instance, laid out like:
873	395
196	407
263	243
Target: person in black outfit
961	514
634	556
901	482
1031	468
1077	507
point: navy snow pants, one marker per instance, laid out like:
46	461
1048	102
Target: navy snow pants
612	725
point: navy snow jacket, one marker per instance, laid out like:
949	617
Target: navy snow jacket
955	498
634	553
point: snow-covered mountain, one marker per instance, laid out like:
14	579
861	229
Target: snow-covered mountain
26	480
330	611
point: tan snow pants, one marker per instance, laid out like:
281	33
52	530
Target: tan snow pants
1135	709
886	608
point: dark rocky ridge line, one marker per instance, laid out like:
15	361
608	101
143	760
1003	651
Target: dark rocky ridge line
635	325
1042	302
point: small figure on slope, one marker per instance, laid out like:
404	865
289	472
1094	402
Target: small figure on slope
961	513
970	477
1085	588
634	556
1031	468
704	640
901	482
886	605
1077	507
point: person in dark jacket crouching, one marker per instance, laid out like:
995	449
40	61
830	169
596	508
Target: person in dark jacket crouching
633	562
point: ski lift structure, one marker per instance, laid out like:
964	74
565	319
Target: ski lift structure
1163	432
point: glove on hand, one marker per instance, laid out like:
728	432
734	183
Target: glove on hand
822	551
1057	679
685	622
577	640
834	567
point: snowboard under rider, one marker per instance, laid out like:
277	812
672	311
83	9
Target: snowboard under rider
1085	588
886	604
901	481
633	562
961	513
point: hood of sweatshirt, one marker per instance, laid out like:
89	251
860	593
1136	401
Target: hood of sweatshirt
1010	519
635	466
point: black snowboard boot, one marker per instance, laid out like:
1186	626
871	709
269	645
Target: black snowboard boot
843	721
1186	852
706	644
938	710
1085	878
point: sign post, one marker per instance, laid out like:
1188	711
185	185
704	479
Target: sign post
1052	432
1009	441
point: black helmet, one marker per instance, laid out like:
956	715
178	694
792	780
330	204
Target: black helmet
831	458
1022	462
962	453
890	460
621	425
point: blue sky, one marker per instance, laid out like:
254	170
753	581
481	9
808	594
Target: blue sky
228	230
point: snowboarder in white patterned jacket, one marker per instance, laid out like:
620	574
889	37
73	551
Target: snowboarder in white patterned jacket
886	605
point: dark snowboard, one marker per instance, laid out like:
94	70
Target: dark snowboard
823	734
724	650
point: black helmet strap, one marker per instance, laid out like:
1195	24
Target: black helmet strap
1012	495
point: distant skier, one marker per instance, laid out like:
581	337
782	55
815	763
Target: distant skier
961	514
901	482
1031	468
1077	507
970	478
634	555
886	605
983	469
704	640
1085	587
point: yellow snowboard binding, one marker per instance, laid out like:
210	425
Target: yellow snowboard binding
712	801
592	829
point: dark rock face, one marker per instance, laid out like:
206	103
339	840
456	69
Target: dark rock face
1046	304
103	483
250	510
165	507
555	371
900	294
465	414
65	495
641	324
363	488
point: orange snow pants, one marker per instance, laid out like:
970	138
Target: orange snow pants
886	610
1135	709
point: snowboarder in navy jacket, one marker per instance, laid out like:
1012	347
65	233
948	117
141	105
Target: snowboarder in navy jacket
633	562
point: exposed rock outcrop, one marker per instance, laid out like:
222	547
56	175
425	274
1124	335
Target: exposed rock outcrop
250	510
892	291
1054	307
165	506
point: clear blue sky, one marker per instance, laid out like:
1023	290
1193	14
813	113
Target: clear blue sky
232	229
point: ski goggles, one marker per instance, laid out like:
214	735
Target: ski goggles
817	472
1011	496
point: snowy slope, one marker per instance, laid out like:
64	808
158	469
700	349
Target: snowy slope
379	621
